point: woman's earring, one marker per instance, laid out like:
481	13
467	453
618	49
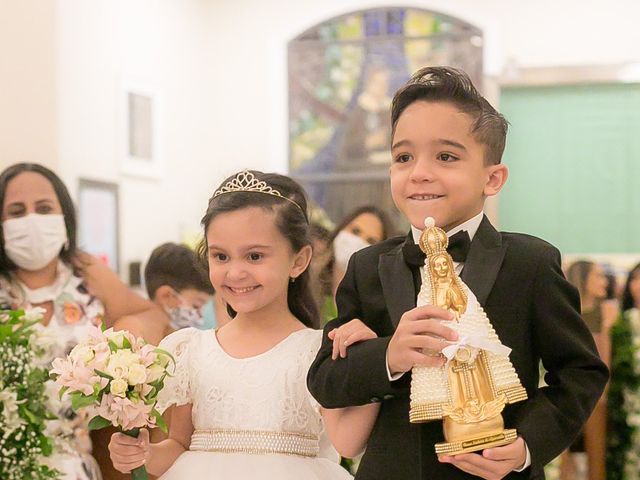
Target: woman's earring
292	279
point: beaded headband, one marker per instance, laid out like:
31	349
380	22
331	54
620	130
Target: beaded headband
246	181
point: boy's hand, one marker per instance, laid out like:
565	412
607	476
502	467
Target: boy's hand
494	463
419	330
351	332
127	452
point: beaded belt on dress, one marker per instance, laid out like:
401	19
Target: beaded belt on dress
254	441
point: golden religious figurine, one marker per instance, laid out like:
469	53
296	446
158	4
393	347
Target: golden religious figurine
470	391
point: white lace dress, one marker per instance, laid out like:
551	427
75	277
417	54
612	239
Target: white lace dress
253	418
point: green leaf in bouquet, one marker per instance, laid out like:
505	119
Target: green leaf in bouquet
98	423
62	392
103	326
46	445
79	400
112	346
29	415
162	425
103	374
126	343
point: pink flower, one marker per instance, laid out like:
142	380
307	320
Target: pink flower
125	413
76	376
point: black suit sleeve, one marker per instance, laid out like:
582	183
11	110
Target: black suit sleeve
575	374
360	378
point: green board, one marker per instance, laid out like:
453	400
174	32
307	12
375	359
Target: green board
573	154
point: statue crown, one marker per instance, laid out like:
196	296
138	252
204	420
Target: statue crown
433	239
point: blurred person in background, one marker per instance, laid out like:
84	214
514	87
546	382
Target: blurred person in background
599	313
41	266
364	226
623	402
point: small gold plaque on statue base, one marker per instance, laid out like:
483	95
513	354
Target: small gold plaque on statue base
474	444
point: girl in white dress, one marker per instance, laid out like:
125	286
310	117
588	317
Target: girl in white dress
241	406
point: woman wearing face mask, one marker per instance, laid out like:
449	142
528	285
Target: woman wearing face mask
40	266
362	227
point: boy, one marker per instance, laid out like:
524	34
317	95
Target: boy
447	144
179	284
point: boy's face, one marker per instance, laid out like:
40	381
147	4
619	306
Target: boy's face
438	167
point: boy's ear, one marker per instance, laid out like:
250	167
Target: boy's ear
301	261
165	297
498	175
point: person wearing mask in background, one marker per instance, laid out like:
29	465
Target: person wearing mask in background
599	314
623	401
178	283
364	226
41	266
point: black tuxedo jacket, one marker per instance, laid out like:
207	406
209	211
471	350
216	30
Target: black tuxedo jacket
534	310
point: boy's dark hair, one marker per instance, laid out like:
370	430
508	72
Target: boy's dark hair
446	84
176	266
68	211
292	222
628	301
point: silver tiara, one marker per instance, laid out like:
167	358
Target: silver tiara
246	181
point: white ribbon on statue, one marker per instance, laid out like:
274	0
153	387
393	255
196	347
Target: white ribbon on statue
477	342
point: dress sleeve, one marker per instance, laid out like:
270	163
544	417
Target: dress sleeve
177	387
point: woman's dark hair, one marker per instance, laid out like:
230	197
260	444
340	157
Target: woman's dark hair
69	250
387	228
290	209
628	301
577	274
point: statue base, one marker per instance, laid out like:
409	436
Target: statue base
478	443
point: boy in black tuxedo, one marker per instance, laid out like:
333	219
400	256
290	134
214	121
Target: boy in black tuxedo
447	144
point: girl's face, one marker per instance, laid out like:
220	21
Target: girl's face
367	226
250	261
596	283
634	288
29	192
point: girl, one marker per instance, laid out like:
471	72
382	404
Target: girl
242	409
40	266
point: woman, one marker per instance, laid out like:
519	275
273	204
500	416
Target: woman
624	392
362	227
40	266
599	313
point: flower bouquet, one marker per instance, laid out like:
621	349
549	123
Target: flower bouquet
116	377
23	405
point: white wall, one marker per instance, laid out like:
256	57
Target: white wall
169	47
27	82
221	69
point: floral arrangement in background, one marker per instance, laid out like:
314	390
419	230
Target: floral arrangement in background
24	411
623	403
115	378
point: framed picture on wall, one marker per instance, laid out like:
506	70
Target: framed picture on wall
98	221
141	130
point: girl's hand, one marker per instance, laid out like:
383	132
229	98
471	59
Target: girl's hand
351	332
127	452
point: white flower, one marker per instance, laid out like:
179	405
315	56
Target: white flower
137	374
82	353
155	372
35	313
119	387
10	414
120	361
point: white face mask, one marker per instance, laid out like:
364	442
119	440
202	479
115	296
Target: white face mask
32	241
346	244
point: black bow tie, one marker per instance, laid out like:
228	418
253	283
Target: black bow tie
458	248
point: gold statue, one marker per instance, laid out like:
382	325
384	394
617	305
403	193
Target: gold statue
470	391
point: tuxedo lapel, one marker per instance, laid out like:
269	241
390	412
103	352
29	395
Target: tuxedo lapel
484	260
397	283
